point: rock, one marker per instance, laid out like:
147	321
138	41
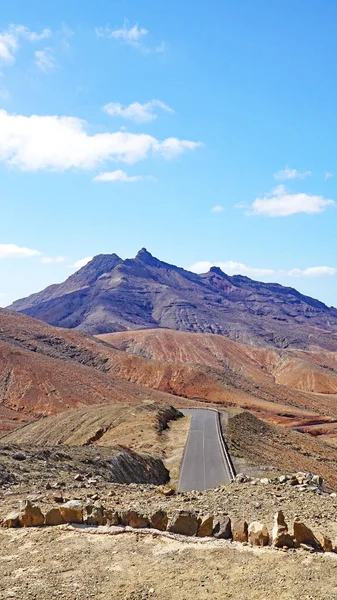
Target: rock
30	516
72	511
280	536
166	491
111	517
92	480
12	519
95	514
258	534
78	477
240	531
159	520
223	529
283	478
205	528
94	497
19	456
304	535
325	542
48	486
265	480
184	523
241	478
58	498
318	480
306	548
53	517
133	519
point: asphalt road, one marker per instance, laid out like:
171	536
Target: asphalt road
204	464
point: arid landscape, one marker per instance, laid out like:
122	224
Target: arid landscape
98	419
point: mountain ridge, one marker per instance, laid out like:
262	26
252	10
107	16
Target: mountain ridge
110	294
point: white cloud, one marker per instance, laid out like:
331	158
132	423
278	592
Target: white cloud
327	175
288	173
281	203
234	268
48	260
10	41
118	175
217	208
60	143
132	36
313	272
141	113
231	268
45	60
14	251
78	264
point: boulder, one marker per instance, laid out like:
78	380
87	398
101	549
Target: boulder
325	542
111	517
205	528
53	517
12	519
240	531
258	534
222	528
72	511
95	514
30	516
133	519
184	523
159	520
318	480
280	536
304	535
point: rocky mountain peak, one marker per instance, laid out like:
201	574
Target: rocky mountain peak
146	258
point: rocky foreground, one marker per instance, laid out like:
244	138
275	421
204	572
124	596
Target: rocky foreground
252	539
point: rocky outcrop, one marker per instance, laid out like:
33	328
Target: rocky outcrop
258	534
280	536
133	518
222	528
72	511
53	517
159	520
304	535
184	523
240	531
205	528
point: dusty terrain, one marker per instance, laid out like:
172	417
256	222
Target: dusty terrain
110	294
54	563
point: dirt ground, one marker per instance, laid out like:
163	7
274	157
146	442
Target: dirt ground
55	563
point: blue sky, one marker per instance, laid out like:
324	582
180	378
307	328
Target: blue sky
205	132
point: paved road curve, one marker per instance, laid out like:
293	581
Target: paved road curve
204	463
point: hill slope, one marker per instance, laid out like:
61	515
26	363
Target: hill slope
47	370
110	294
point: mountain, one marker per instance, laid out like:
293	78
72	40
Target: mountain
110	294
